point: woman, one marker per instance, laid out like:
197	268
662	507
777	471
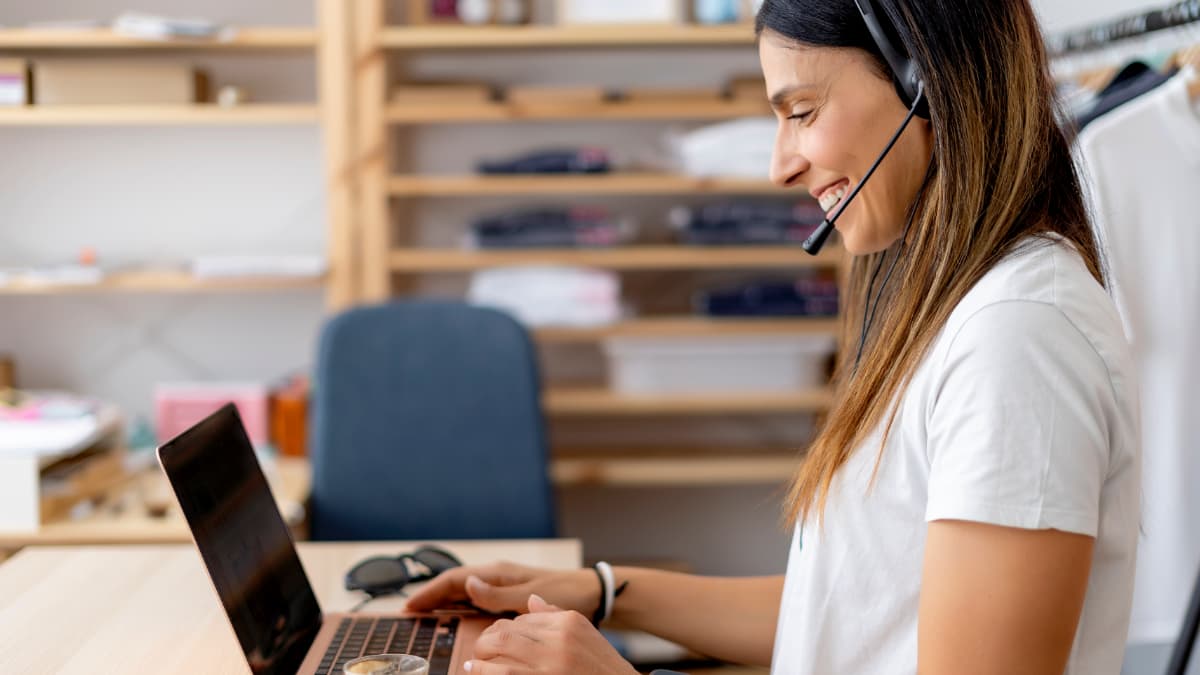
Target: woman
972	503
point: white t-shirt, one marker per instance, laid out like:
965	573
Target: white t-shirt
1023	414
1143	160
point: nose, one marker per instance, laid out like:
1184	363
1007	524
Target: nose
787	162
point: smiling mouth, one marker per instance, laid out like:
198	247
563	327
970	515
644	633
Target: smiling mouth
833	195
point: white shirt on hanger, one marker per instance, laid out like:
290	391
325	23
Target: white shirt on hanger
1023	414
1142	167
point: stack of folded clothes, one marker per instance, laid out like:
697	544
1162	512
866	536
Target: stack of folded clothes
747	223
575	227
551	161
812	295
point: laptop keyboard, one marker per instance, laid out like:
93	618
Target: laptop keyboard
428	637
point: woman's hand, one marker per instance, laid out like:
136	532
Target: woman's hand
506	587
546	641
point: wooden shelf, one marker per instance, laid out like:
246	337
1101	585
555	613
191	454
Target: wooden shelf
201	114
627	258
163	282
103	38
716	109
602	402
587	184
682	468
689	327
567	37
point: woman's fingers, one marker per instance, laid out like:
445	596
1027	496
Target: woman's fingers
496	667
496	599
444	589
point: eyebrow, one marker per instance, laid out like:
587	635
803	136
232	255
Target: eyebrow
780	97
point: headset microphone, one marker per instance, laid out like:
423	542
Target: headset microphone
816	241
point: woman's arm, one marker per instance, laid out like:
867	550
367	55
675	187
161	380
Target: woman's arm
1000	600
728	619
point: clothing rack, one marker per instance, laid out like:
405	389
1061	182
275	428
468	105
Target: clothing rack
1181	14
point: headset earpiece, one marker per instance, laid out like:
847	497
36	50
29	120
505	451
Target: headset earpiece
907	76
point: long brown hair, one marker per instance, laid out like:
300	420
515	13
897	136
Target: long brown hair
1001	172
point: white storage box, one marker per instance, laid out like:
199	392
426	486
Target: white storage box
718	364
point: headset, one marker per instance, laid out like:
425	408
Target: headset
910	86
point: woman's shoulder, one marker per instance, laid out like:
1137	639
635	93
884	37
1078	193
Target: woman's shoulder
1041	294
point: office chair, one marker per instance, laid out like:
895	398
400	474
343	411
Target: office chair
1186	643
427	424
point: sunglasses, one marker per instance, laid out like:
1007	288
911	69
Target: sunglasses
387	575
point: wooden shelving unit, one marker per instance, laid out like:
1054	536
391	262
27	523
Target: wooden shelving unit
563	37
627	184
620	258
165	282
265	38
605	403
687	327
392	264
151	115
688	467
328	41
718	109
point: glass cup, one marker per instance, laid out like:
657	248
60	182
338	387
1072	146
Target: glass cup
387	664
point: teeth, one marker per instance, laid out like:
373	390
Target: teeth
831	198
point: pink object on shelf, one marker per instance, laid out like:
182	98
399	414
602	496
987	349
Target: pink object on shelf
178	406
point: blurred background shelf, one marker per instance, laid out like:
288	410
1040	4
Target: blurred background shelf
685	467
650	184
101	115
622	258
563	401
525	37
102	38
689	327
164	282
410	113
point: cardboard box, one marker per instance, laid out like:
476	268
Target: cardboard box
14	82
676	95
533	94
424	93
116	81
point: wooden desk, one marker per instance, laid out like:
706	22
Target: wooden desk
151	610
143	511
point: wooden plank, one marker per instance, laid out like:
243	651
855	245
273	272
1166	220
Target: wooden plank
103	38
539	36
590	184
165	282
689	327
602	402
683	468
335	72
200	114
374	151
622	258
711	109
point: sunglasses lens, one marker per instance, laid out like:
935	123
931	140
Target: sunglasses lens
382	572
436	560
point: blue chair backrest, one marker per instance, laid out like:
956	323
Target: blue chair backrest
427	424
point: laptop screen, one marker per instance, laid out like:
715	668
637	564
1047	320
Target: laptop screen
244	542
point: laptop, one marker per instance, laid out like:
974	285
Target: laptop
253	564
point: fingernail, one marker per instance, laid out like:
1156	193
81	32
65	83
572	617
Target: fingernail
468	665
539	598
475	581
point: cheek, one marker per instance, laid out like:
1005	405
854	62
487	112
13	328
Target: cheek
832	145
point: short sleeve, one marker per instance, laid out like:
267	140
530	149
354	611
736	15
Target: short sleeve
1019	430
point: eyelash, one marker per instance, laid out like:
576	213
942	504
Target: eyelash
801	116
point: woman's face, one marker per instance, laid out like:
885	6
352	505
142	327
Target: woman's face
836	114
